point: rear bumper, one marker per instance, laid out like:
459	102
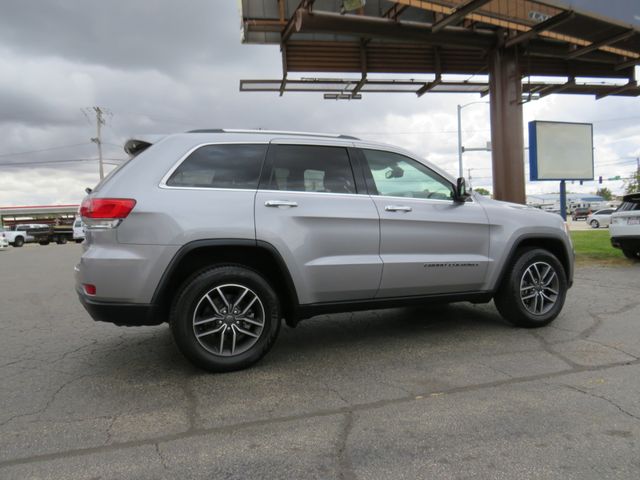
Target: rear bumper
627	242
122	314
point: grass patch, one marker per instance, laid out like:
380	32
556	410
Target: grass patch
594	247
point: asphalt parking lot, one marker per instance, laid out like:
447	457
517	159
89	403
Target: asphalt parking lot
440	392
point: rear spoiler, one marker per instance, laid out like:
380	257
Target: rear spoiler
135	146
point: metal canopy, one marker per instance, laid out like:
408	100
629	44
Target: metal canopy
502	41
441	38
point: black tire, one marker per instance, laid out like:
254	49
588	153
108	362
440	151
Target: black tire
61	240
185	308
79	240
517	310
44	242
631	254
594	224
18	242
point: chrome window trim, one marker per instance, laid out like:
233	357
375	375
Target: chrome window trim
167	176
426	200
275	192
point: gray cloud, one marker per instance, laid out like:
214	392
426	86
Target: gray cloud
167	66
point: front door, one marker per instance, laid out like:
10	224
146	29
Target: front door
429	243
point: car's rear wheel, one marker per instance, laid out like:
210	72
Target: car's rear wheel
533	291
631	254
225	318
595	224
18	242
43	242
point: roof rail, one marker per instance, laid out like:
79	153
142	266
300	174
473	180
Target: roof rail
278	132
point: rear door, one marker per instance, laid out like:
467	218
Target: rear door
311	208
429	244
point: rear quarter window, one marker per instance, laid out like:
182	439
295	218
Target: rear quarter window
234	166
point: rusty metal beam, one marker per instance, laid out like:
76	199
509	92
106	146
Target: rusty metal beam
285	69
429	86
554	21
458	14
364	26
363	66
543	92
291	24
615	91
438	80
628	64
395	11
602	43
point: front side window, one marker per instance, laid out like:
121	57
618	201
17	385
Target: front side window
395	175
235	166
310	168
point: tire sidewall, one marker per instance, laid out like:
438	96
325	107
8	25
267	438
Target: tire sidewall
595	224
181	317
521	316
18	242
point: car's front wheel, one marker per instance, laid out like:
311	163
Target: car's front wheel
225	318
595	224
533	291
631	254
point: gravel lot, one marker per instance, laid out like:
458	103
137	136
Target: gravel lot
445	392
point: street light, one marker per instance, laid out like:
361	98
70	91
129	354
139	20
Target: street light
460	150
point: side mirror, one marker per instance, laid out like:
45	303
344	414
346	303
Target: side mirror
461	190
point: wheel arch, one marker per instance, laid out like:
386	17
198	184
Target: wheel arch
260	256
551	243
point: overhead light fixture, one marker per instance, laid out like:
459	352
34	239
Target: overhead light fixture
342	96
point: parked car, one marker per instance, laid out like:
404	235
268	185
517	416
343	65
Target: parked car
601	218
625	226
580	213
224	233
78	230
18	235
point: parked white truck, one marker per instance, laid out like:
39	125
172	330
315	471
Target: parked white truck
18	235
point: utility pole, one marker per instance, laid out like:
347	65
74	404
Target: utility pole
460	171
98	139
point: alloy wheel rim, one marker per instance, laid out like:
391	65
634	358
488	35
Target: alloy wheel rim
228	320
539	288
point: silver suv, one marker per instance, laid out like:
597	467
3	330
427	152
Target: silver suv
223	234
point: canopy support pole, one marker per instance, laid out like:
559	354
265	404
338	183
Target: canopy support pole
507	143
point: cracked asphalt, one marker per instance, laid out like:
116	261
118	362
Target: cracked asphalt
439	392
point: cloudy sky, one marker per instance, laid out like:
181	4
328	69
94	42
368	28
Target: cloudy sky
168	66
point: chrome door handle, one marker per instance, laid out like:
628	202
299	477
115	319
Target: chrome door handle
397	208
280	203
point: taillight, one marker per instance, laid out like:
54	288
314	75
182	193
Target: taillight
105	212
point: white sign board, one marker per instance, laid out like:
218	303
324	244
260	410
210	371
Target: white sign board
560	151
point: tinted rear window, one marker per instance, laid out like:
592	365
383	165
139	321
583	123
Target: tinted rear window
221	166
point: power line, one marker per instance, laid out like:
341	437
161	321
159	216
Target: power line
54	162
45	162
43	149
